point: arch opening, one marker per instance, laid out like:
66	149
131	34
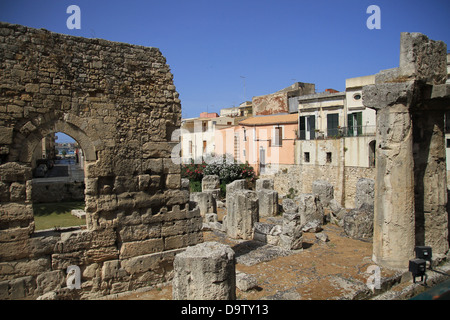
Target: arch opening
58	188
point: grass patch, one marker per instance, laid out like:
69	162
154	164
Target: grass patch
56	215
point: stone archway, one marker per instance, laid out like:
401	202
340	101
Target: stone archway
119	102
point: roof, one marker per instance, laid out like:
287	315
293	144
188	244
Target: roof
269	120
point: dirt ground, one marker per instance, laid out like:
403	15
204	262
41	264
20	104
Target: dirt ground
336	269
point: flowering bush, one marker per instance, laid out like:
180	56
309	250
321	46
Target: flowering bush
192	171
225	167
228	171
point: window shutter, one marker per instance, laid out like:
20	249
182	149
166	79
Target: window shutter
350	125
312	126
359	122
302	129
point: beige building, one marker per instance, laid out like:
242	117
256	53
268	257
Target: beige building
244	110
333	115
198	135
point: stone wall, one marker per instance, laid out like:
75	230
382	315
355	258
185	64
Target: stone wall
46	192
119	103
301	177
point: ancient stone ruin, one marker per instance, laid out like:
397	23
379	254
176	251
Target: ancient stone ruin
119	103
410	187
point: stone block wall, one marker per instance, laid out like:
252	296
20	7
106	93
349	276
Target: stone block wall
301	178
119	103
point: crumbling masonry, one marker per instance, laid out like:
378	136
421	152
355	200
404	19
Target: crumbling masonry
119	103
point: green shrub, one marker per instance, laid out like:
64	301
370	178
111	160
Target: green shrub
195	186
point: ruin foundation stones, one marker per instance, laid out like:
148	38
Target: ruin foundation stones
118	101
205	272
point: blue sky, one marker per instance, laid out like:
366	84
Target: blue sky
211	45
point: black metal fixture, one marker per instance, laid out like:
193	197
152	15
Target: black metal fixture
424	252
417	267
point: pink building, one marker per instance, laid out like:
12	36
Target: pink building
265	142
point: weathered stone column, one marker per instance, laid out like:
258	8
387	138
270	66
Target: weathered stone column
410	187
205	272
430	181
393	239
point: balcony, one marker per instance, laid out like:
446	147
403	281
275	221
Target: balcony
337	133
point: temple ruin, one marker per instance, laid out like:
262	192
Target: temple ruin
410	185
119	103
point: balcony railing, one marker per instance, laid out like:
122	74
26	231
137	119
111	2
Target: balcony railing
336	133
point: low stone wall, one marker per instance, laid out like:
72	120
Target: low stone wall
301	177
46	192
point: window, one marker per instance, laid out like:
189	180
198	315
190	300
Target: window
354	124
190	147
448	143
306	157
307	128
204	146
332	124
329	157
245	134
372	145
357	96
278	137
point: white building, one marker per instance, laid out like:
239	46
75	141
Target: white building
336	129
198	135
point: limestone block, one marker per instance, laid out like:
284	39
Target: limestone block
205	202
157	149
322	236
365	192
245	282
111	269
6	135
215	193
358	223
16	234
18	288
49	281
262	184
144	263
324	190
80	214
139	232
291	237
210	182
205	272
242	213
423	59
268	202
267	233
185	183
12	171
289	206
138	248
310	208
16	213
233	187
17	191
85	239
173	181
4	191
